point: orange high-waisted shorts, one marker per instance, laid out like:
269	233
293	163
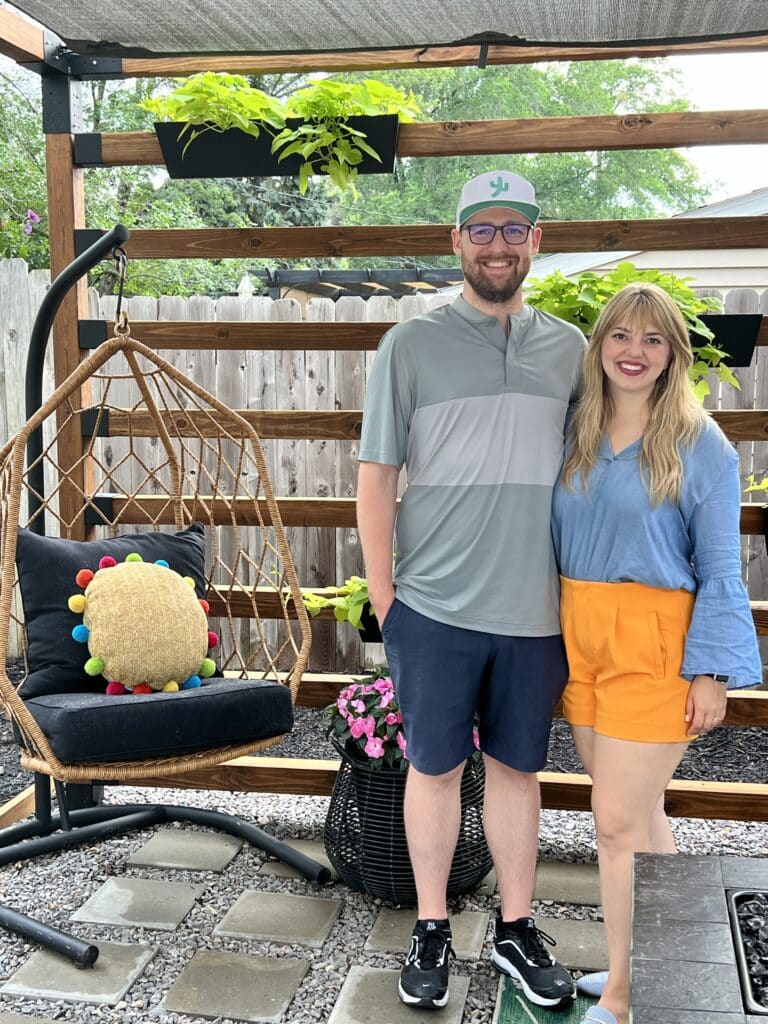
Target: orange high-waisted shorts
625	645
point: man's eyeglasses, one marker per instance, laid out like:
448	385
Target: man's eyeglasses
484	234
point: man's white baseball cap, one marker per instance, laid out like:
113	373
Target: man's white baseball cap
497	189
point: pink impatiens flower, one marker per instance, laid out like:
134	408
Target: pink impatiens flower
357	728
387	699
476	738
402	743
382	685
358	705
393	719
369	725
374	747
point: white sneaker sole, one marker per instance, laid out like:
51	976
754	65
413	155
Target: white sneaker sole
425	1004
502	964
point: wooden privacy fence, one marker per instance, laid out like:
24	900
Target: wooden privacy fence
253	361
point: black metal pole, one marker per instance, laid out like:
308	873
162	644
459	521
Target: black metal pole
82	954
38	343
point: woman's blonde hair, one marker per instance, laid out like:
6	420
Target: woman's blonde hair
676	418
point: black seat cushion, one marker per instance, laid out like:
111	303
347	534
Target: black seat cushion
47	567
92	727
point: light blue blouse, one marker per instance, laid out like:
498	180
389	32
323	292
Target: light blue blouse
612	534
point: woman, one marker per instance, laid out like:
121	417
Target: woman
655	616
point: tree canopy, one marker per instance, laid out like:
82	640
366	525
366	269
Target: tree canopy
569	186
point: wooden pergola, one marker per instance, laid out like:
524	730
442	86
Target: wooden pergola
69	151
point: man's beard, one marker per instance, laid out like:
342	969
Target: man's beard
495	293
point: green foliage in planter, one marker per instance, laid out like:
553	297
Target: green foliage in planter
578	300
347	602
216	101
326	142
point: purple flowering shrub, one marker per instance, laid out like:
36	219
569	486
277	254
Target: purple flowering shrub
365	719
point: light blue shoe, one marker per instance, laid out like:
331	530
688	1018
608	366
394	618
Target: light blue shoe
597	1015
592	984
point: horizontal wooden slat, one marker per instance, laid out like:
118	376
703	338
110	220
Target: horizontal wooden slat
269	606
343	424
743	424
425	57
525	135
346	424
562	791
745	707
435	239
340	512
20	39
233	335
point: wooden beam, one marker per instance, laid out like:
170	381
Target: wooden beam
20	39
252	335
67	204
523	135
744	707
297	424
147	509
272	335
577	134
743	424
559	790
18	807
424	57
435	240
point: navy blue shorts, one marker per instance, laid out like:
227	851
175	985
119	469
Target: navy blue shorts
445	675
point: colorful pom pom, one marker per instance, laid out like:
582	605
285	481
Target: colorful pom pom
192	683
134	557
207	668
76	604
213	638
81	634
93	667
171	686
84	577
204	605
106	562
142	688
189	580
115	689
162	561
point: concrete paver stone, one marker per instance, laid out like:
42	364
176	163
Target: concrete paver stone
141	902
580	944
311	847
369	996
392	930
22	1018
217	984
567	883
50	976
187	850
280	917
487	886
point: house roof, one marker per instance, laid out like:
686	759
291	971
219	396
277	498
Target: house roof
151	27
752	204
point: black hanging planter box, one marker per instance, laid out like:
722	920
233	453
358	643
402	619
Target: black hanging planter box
735	333
235	154
369	626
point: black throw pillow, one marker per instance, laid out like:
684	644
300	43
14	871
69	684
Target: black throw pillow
47	567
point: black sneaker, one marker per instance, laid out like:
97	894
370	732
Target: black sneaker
519	951
424	978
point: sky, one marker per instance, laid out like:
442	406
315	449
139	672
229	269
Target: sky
727	82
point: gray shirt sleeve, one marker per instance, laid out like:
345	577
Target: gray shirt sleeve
389	405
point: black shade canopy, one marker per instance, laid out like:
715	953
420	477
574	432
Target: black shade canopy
167	27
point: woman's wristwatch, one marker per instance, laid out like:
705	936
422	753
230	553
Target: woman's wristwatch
717	677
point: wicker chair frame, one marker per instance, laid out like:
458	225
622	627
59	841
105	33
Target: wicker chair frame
204	463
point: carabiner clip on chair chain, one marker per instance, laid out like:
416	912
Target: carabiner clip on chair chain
121	315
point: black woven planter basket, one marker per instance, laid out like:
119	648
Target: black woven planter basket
365	833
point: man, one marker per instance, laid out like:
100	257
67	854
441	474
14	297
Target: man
472	398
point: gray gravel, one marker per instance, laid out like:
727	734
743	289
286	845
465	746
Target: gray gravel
54	887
